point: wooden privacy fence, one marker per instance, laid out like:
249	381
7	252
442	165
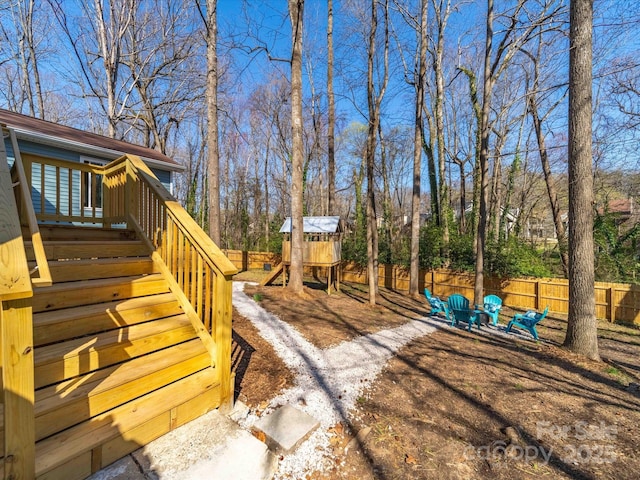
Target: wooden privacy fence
615	302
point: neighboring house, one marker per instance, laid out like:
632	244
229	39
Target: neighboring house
51	140
624	211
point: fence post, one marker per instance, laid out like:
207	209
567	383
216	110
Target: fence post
611	315
538	302
433	282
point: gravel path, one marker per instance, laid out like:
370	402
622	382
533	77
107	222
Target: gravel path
327	382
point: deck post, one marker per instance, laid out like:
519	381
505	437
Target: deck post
223	312
18	389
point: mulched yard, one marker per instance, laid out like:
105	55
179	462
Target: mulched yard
456	404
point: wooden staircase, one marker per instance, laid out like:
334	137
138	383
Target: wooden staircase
117	361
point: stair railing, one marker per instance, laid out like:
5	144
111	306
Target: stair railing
197	270
42	276
16	349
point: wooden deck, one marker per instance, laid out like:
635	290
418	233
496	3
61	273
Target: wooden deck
126	336
116	359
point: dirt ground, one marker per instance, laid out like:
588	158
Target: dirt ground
458	404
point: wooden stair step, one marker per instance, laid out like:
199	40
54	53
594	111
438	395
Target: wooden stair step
91	269
71	402
64	250
126	428
75	233
87	292
59	325
60	361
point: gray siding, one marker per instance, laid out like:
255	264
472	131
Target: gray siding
49	151
68	206
164	177
9	149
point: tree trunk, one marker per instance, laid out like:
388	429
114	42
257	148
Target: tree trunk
331	163
374	102
496	188
213	161
387	211
513	171
265	179
427	146
297	237
483	166
442	16
477	111
551	189
463	197
414	271
372	227
582	327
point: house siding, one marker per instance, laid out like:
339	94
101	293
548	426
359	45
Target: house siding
68	206
48	151
9	148
164	177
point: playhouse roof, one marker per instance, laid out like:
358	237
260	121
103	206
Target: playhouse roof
315	225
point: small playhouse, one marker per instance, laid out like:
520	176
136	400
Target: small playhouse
322	248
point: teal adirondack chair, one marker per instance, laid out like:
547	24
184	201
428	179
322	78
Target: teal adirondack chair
437	305
492	306
528	321
460	311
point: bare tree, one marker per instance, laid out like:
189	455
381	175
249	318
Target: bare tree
213	159
160	53
533	103
582	328
297	153
442	10
374	102
97	42
414	273
331	126
515	34
25	52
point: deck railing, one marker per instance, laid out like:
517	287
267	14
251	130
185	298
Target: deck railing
199	273
122	192
63	191
41	276
16	352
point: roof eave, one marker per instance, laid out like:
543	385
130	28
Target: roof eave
89	149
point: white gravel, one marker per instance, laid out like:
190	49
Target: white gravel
327	382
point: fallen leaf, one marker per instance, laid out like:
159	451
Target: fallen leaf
259	435
337	429
410	459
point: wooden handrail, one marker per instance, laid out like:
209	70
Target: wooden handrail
43	278
15	281
198	272
214	256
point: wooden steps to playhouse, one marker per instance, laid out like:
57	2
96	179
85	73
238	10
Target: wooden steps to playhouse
117	362
275	273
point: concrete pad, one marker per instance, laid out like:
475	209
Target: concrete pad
286	428
124	469
240	412
209	447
